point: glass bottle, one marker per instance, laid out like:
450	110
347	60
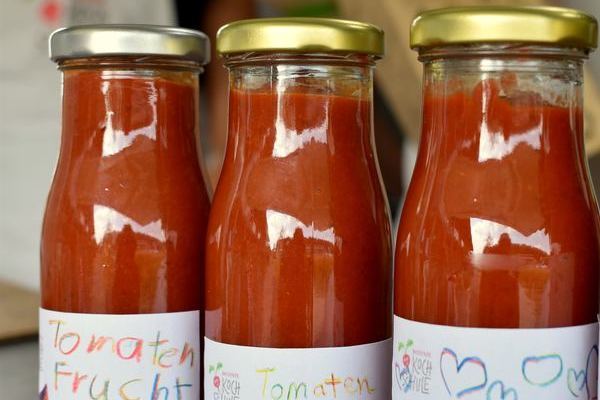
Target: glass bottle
122	242
498	241
298	250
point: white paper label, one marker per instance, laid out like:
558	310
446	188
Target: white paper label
121	357
257	373
442	362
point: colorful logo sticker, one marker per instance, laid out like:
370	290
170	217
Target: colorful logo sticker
225	384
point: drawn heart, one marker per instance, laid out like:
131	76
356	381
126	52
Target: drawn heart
591	374
575	381
497	391
542	370
464	377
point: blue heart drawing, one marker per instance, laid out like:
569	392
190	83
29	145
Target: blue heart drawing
575	381
502	391
537	364
591	373
475	365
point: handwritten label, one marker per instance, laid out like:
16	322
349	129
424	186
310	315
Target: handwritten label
121	357
444	362
242	372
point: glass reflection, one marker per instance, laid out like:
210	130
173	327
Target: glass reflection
108	220
282	226
486	234
288	141
493	145
115	140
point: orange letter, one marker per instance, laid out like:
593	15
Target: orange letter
188	351
333	381
77	381
156	345
58	323
73	347
97	345
167	354
365	382
137	348
122	390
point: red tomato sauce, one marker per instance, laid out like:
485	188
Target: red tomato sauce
298	248
127	211
499	227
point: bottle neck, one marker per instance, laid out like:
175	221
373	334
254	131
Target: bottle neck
285	104
108	108
495	104
303	134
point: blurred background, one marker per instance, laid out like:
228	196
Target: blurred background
30	121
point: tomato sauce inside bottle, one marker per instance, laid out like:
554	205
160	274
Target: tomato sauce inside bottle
507	234
297	251
128	207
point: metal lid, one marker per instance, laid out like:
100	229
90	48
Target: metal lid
125	40
496	24
300	35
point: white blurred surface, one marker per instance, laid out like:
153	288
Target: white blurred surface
29	113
